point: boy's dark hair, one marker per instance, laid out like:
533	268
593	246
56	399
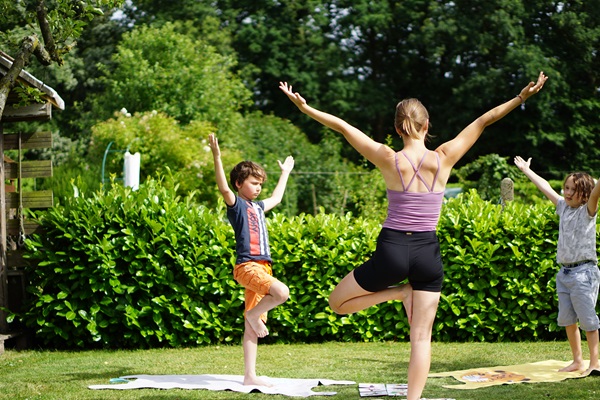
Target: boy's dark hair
243	170
584	184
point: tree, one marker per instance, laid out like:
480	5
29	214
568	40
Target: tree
176	153
59	23
168	69
358	58
566	138
459	57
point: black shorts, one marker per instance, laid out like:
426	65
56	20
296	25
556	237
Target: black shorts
401	255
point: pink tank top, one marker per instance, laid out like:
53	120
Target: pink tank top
414	212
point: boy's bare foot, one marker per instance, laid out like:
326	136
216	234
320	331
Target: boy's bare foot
406	297
592	370
257	325
256	381
574	366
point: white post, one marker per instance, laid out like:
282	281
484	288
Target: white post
132	170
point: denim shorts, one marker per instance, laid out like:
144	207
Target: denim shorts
577	290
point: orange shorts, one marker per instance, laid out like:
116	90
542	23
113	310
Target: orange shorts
256	277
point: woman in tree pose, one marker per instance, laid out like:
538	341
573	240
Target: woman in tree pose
407	246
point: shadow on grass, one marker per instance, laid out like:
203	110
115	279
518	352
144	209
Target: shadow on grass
441	365
437	363
104	376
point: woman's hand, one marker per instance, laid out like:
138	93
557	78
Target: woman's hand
294	97
533	87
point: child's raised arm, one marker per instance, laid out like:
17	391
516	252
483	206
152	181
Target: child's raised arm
540	182
226	192
277	196
592	203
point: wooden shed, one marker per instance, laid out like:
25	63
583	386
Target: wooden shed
14	226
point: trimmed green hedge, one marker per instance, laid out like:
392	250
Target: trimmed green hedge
139	269
500	271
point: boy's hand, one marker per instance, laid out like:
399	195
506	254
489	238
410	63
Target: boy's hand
287	165
213	143
522	164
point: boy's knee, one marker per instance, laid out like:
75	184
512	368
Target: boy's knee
280	292
285	294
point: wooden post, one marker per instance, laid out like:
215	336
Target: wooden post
507	191
11	264
3	265
314	198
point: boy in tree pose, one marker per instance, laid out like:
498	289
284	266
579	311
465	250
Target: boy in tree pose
253	263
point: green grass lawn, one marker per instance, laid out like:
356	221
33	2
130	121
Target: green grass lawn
66	375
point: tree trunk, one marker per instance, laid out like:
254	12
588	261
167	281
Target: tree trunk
7	82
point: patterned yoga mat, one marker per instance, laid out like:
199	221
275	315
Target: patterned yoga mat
542	371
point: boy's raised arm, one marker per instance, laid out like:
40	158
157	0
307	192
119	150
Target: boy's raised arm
277	196
540	182
226	192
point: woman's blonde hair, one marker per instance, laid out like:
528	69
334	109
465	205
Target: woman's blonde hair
411	116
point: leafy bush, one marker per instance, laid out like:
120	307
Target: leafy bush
500	267
164	145
133	269
146	268
484	174
171	69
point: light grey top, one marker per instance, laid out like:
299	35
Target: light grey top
576	234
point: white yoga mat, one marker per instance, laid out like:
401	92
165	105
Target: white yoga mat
284	386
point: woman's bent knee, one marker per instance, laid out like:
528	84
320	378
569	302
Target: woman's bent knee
336	306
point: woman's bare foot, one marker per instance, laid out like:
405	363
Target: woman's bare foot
574	366
256	381
257	325
406	297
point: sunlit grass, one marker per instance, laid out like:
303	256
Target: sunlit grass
67	375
